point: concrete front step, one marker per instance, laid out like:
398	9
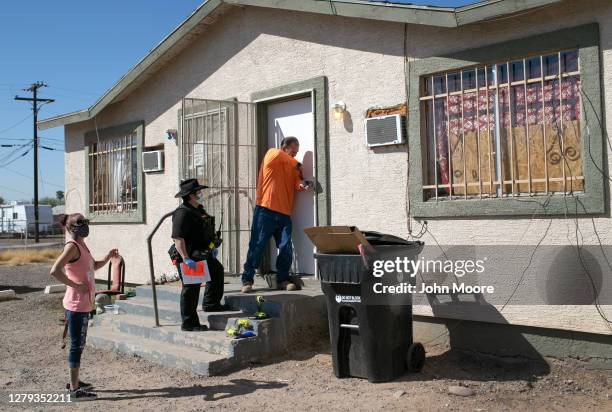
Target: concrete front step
212	341
168	354
171	312
211	352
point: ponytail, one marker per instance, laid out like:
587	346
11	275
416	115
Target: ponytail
63	219
68	220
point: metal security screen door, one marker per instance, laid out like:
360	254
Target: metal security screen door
218	146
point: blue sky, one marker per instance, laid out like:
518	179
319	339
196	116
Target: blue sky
80	49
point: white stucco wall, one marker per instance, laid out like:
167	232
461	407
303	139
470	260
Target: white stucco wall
254	49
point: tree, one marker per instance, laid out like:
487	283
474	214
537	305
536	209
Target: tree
1	200
48	201
59	195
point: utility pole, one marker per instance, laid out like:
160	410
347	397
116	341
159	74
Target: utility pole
35	107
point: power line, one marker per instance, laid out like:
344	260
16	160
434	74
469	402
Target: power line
31	178
12	152
7	139
14	190
52	139
17	158
16	124
51	148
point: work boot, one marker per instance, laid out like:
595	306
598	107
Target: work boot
286	285
217	308
247	287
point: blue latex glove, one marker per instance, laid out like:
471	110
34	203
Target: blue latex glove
190	263
215	252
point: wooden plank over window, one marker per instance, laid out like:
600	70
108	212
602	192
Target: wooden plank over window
506	129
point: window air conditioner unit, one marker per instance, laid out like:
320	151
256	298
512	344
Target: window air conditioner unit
153	161
384	130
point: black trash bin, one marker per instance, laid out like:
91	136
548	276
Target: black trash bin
371	335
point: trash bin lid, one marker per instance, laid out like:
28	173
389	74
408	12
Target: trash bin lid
377	238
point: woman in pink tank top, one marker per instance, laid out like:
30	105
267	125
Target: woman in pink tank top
75	268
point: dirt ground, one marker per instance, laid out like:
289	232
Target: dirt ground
15	241
31	359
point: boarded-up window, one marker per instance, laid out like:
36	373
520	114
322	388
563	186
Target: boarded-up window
505	129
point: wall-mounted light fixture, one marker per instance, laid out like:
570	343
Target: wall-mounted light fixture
172	134
338	110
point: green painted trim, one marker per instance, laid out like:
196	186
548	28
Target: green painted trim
91	136
411	14
485	10
68	118
592	201
426	15
318	88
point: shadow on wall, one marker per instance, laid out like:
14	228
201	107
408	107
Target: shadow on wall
495	337
477	354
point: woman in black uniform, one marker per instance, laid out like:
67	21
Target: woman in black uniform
195	239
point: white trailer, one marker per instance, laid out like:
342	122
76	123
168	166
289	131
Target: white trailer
18	218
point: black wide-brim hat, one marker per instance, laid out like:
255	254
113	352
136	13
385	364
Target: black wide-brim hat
189	186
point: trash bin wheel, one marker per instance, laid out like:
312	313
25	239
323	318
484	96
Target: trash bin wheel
415	359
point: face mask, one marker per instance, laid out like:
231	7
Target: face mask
81	231
201	198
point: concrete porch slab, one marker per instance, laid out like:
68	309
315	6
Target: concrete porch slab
293	318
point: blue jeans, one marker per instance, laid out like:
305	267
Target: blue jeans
77	329
267	223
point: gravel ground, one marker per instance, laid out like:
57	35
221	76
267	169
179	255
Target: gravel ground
31	359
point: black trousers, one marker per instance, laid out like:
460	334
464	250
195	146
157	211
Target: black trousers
213	292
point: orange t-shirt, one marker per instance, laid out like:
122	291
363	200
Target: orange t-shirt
278	179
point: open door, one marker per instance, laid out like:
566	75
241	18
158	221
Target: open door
295	118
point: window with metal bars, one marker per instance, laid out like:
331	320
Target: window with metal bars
503	130
114	173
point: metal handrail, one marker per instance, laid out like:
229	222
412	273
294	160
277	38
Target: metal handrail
151	270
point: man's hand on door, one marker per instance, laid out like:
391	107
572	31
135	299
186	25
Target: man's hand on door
306	186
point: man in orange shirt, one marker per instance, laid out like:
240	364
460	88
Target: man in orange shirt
280	175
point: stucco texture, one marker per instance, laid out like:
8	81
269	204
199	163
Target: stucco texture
252	49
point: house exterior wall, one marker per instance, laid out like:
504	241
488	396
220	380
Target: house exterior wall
253	49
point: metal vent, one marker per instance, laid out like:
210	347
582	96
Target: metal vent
153	161
384	130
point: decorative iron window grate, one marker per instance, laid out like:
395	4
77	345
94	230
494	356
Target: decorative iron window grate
218	146
505	129
113	171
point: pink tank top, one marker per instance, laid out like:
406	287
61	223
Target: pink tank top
80	271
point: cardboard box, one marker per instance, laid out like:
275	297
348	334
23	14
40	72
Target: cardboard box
337	239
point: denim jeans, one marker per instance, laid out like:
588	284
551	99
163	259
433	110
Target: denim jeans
77	329
268	224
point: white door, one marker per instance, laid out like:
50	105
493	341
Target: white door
294	118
